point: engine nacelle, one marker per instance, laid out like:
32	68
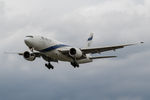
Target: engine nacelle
75	52
28	56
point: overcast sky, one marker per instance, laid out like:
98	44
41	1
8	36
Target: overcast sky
114	22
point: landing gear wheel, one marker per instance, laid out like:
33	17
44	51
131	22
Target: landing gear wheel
49	66
75	65
46	65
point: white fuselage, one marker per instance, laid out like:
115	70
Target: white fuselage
51	47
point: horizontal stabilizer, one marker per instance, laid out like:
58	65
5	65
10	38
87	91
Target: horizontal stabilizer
102	57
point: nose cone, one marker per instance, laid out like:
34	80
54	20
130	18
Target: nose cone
28	42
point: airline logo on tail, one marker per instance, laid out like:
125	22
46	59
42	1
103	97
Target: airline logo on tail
90	40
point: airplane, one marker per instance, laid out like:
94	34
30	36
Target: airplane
52	50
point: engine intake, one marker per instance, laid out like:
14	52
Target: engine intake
75	52
29	56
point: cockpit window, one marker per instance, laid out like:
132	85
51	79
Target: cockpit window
30	36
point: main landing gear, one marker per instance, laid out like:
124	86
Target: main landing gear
49	66
75	64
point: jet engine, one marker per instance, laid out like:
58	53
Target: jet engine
29	56
75	52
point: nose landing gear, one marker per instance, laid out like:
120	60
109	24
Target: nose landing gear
31	49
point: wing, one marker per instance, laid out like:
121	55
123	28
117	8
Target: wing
103	49
37	55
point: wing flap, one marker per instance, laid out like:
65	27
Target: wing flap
102	57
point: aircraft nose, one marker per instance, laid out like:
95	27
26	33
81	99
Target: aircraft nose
28	42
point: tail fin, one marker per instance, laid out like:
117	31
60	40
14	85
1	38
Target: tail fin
89	41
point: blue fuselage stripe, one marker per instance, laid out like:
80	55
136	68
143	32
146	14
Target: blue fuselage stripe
53	48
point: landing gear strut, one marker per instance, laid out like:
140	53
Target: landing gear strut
49	66
75	64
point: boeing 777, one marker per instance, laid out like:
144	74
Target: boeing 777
52	50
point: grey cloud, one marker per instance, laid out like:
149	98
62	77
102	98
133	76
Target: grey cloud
113	22
1	7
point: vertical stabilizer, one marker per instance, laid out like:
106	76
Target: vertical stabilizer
89	41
